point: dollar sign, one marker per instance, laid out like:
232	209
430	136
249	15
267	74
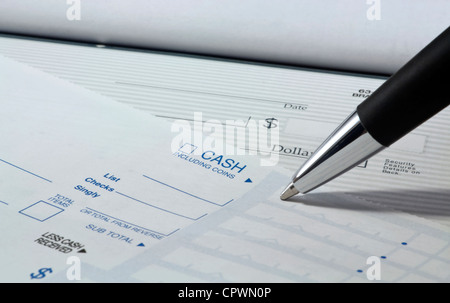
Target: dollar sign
42	273
271	123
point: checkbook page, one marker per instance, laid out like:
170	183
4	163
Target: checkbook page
90	182
83	176
304	106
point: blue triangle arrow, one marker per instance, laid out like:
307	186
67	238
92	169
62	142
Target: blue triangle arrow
248	180
141	244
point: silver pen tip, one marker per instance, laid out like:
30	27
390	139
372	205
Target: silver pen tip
288	192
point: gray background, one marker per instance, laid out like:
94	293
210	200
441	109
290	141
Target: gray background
325	34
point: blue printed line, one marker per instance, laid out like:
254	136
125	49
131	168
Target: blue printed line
162	209
189	194
227	202
4	202
24	211
153	231
25	170
173	232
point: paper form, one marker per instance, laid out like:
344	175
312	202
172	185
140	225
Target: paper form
86	177
55	150
303	105
326	237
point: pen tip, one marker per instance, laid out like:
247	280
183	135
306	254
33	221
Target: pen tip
289	191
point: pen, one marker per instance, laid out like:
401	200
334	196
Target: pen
415	93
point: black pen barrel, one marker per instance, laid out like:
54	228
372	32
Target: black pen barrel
418	91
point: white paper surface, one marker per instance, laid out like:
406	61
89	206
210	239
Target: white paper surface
75	166
306	106
177	222
325	34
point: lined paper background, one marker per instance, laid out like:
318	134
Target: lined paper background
176	86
